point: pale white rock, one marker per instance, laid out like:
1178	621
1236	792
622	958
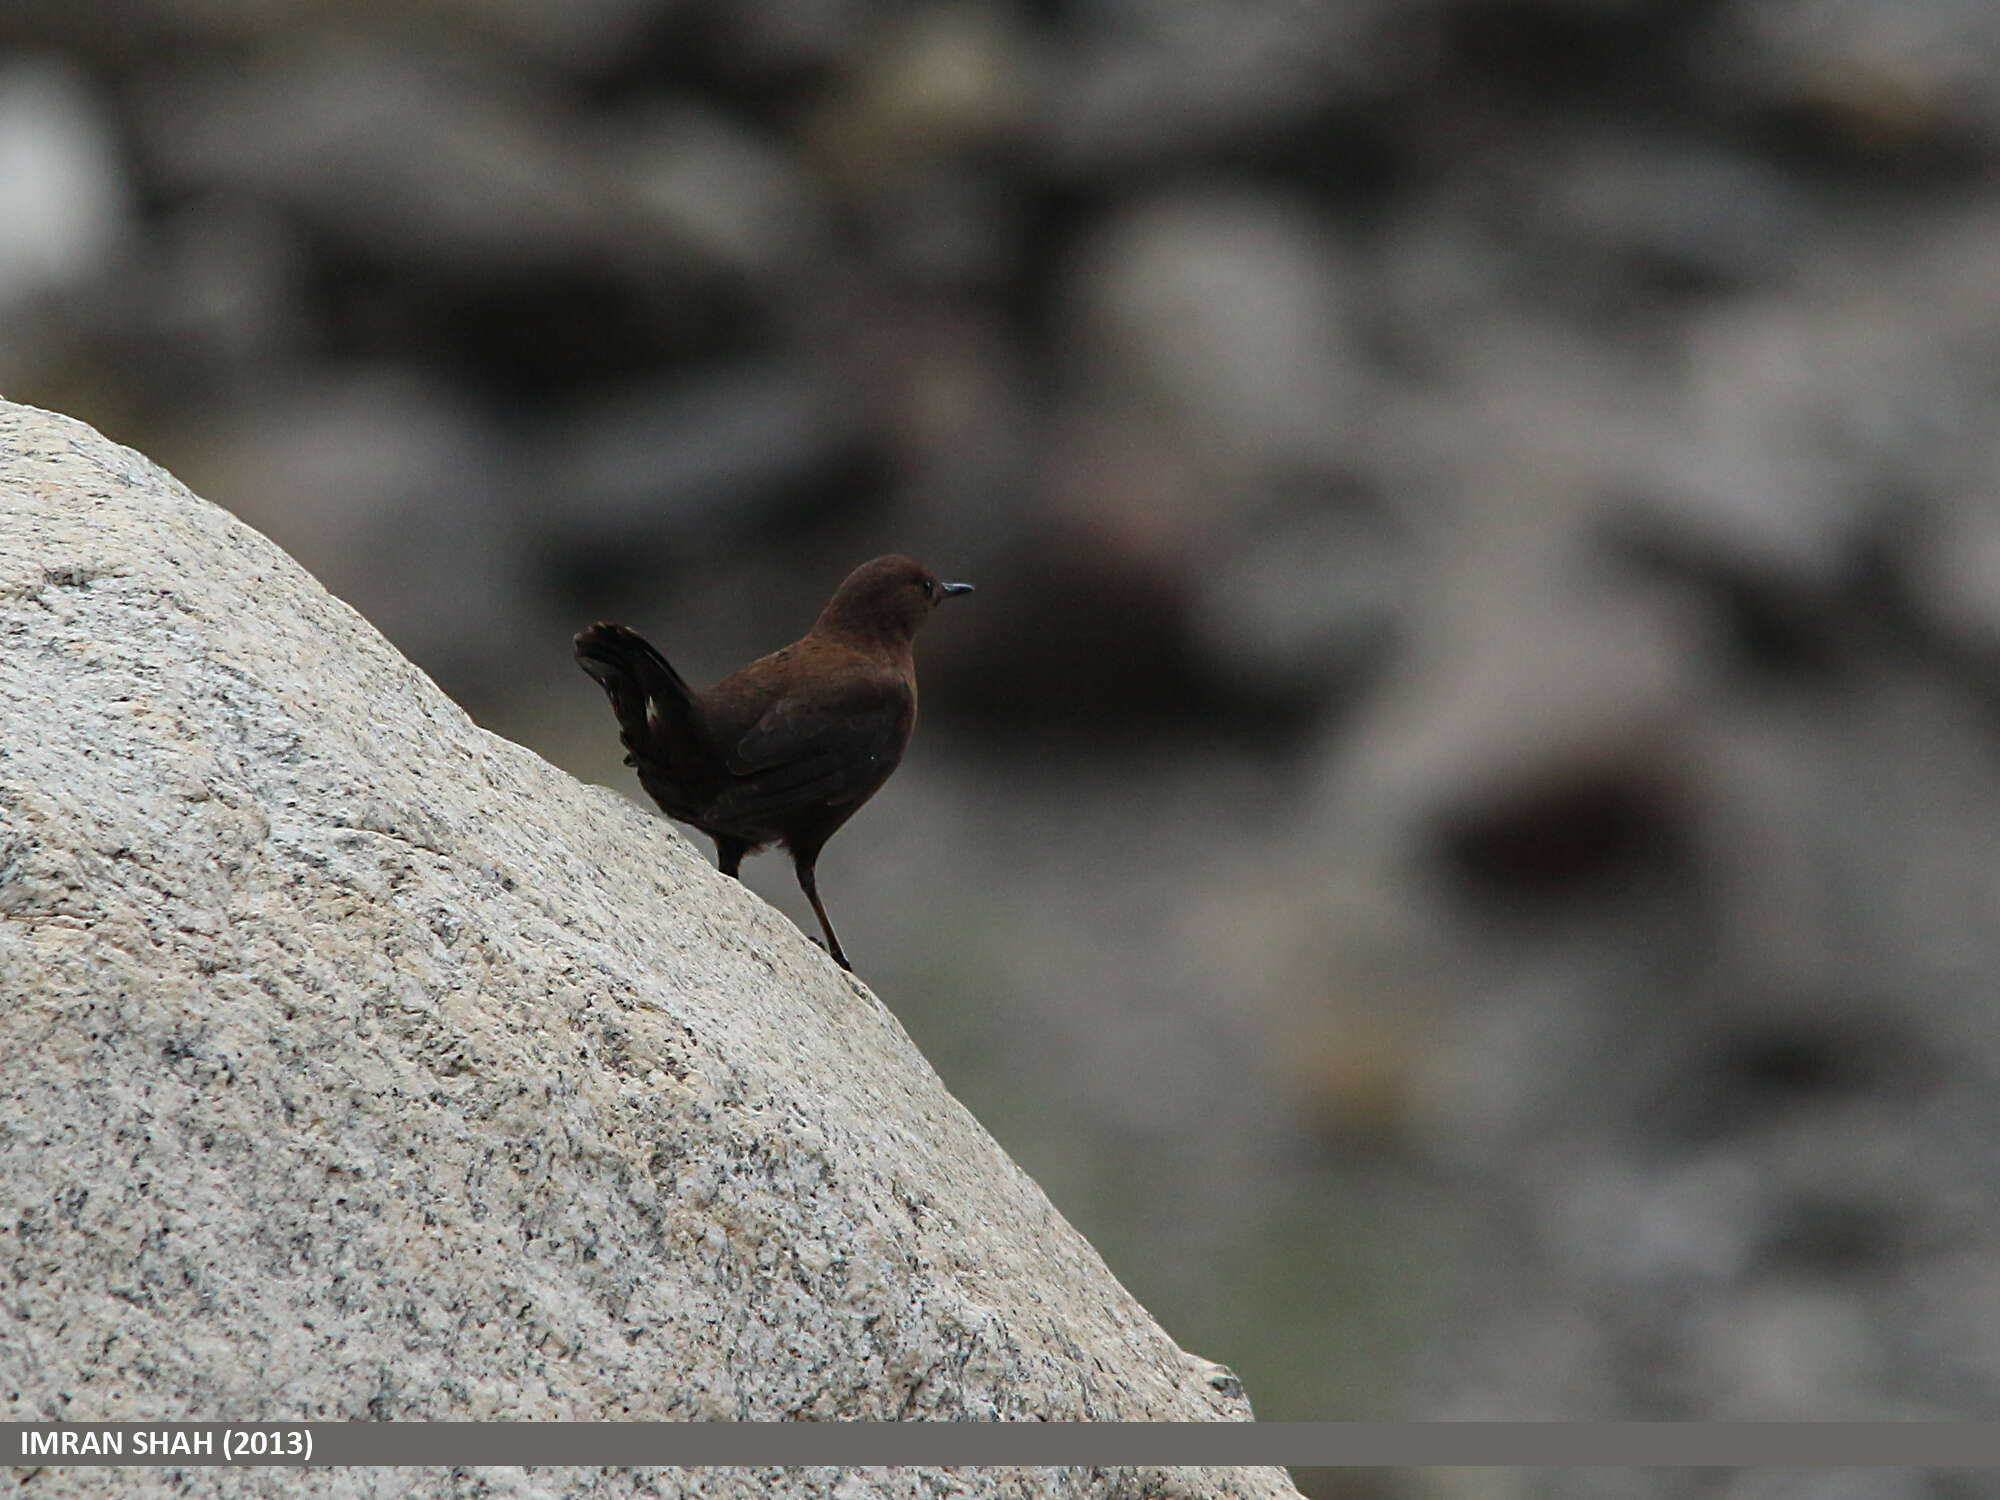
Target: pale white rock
732	199
1219	314
362	1065
64	203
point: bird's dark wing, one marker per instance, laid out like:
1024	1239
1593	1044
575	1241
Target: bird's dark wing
796	757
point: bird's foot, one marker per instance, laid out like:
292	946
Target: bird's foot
833	953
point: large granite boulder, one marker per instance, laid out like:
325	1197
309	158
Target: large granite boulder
360	1064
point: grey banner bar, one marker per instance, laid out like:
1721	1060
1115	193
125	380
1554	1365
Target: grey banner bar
973	1444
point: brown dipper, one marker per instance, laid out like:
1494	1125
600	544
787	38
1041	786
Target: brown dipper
785	750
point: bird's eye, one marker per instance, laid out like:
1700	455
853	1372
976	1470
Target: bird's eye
930	587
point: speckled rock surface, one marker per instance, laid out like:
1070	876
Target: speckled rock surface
363	1065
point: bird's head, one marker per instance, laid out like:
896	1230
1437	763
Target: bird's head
887	599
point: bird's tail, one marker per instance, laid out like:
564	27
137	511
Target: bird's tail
656	712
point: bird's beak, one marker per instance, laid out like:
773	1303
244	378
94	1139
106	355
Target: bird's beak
948	589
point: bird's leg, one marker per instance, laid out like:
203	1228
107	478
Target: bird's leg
807	883
729	855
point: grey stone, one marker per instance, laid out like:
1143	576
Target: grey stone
588	35
1884	72
410	156
1791	1351
1146	82
364	1065
1831	1484
64	203
781	38
1574	686
672	463
230	291
397	492
1677	209
1950	558
934	81
1945	1315
1219	314
1303	602
730	198
208	307
1762	512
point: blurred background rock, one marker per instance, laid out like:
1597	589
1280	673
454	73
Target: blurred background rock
1458	837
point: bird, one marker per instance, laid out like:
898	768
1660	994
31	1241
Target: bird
784	750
